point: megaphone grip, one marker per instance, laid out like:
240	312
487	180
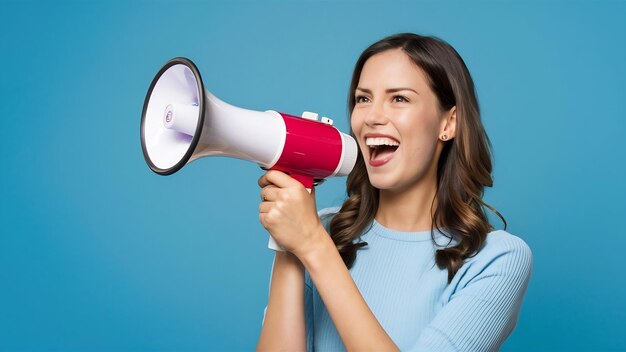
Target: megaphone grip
272	244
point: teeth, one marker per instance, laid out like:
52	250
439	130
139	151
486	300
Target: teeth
378	141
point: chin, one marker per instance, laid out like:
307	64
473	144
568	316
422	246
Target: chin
382	182
397	181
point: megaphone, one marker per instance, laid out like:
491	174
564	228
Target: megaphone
182	122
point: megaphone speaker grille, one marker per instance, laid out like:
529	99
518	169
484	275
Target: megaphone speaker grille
167	149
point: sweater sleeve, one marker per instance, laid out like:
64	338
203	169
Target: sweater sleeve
485	300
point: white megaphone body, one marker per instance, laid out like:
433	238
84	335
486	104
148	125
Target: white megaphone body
181	122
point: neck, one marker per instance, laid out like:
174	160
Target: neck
407	210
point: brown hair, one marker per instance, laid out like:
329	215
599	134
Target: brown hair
464	167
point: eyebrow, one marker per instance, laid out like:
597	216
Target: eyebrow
390	90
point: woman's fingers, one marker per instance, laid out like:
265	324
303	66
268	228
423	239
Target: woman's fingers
263	181
278	178
265	207
281	179
287	210
268	193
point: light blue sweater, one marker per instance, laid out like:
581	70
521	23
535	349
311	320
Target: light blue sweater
411	298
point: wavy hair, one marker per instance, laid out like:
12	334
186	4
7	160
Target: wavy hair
464	167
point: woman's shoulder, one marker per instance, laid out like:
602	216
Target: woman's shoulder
500	242
503	254
501	266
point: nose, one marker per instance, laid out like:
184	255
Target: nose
376	115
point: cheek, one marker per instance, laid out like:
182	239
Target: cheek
421	139
355	123
421	151
418	127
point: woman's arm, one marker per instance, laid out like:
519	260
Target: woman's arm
288	212
356	324
284	324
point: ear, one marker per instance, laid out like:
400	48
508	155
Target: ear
448	125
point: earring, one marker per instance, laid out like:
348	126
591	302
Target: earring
444	137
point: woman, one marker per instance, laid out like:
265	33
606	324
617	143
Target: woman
410	261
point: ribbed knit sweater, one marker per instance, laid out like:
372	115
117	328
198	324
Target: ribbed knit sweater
411	298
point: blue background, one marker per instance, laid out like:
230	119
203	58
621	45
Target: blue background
99	253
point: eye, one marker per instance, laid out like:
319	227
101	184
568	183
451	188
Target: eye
400	99
361	99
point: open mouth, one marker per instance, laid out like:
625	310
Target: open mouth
381	148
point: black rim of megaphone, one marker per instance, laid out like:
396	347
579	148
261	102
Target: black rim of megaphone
196	135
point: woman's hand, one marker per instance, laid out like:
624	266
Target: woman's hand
289	213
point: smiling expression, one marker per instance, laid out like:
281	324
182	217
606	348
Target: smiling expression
397	121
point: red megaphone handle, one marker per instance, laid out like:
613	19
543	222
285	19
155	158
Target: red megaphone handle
306	180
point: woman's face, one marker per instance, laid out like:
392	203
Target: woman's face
397	122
